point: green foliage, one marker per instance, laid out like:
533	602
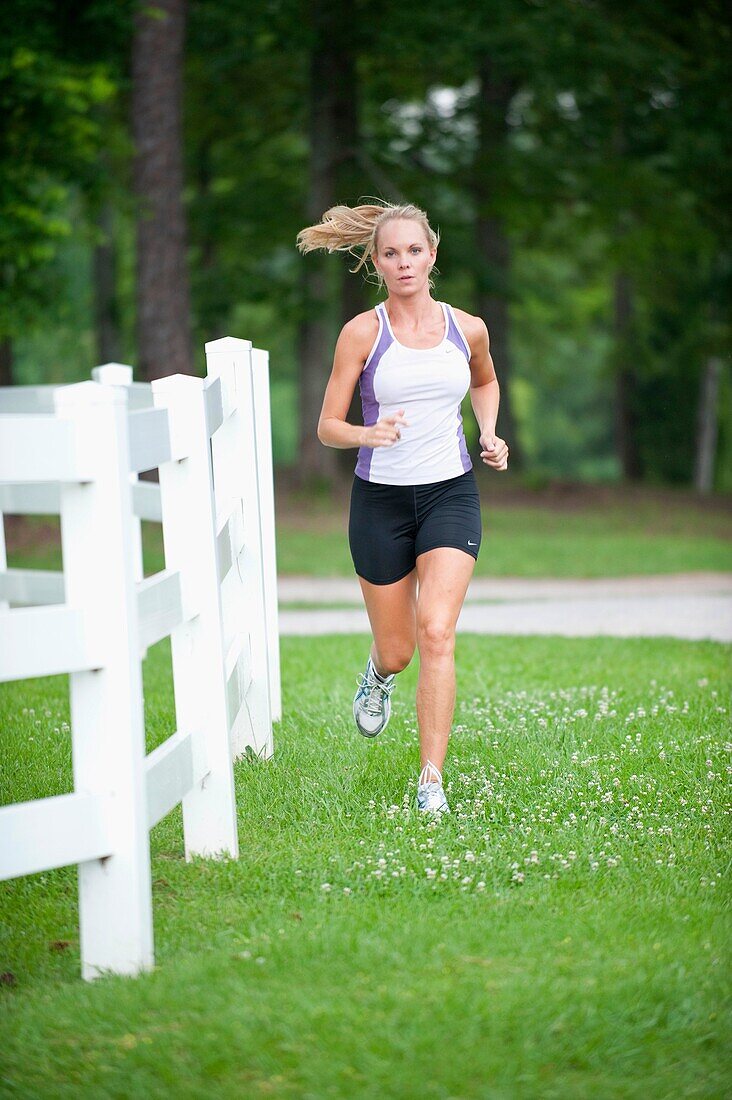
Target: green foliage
610	160
49	143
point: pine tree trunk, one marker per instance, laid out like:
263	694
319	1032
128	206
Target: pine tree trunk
331	130
163	297
349	180
493	260
6	361
706	435
626	440
106	310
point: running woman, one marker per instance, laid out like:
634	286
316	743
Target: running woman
414	524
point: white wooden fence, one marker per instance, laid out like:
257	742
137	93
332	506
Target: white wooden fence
77	451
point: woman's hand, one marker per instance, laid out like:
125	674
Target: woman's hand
494	451
385	432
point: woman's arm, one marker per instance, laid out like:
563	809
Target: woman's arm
485	391
351	352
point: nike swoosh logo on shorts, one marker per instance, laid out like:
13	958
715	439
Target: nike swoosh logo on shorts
472	543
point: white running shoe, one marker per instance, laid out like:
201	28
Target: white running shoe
430	795
372	703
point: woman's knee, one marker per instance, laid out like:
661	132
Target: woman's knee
435	635
396	657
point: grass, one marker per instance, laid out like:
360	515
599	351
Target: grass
564	933
531	542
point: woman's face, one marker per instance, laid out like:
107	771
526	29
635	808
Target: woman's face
404	256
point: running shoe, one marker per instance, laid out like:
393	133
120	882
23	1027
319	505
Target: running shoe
372	703
430	795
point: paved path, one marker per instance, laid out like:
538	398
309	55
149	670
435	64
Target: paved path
680	605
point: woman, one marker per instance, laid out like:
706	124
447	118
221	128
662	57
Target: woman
414	525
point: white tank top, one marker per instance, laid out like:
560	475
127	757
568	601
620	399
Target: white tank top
429	384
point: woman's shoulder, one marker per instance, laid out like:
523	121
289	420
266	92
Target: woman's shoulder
361	329
468	322
474	328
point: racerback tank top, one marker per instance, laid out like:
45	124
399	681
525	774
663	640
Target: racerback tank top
429	384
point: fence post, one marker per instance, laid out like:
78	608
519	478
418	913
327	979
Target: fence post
266	510
119	374
235	473
4	604
199	679
107	719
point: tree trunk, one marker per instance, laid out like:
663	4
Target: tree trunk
106	309
331	131
163	297
493	260
626	440
349	176
6	362
706	435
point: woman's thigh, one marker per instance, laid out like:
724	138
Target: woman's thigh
392	614
444	575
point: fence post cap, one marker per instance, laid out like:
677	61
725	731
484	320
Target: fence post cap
175	382
78	394
113	374
226	345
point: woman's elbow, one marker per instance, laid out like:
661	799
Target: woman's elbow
319	433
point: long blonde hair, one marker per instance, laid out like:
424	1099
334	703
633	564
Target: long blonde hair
355	229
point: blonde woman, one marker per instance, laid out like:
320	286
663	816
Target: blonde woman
414	523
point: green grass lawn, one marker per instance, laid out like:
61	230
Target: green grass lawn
563	934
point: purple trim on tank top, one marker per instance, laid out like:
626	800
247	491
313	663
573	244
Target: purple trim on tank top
455	334
369	404
464	456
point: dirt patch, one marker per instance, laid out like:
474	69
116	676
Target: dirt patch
26	533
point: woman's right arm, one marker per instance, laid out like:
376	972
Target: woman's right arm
352	348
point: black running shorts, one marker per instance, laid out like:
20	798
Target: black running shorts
389	526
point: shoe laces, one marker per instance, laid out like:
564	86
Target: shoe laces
431	794
375	694
423	775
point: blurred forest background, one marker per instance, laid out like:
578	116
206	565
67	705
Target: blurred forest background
157	160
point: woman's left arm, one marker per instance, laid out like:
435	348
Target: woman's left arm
485	394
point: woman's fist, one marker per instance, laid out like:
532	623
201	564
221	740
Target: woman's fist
385	432
494	451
